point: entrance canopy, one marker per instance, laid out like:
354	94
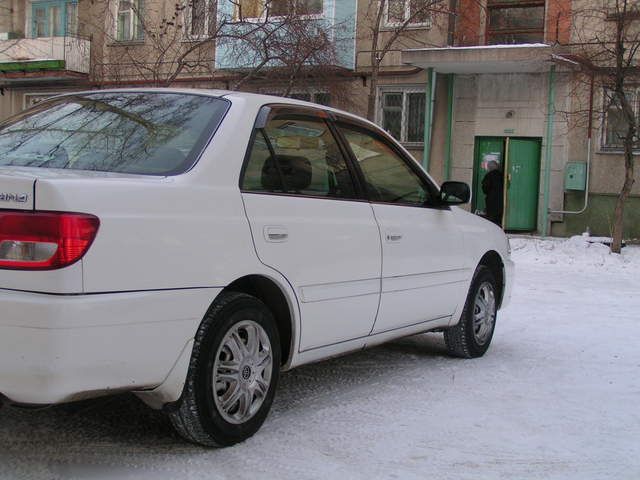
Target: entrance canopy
527	58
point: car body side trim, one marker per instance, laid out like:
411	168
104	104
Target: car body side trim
114	292
372	336
416	281
338	290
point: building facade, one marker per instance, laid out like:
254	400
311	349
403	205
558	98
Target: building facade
43	51
515	96
462	84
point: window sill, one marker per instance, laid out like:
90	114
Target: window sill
126	43
614	151
390	27
278	18
413	145
203	39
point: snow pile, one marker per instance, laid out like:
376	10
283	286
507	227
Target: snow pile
580	252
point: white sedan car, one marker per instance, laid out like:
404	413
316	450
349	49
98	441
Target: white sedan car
190	245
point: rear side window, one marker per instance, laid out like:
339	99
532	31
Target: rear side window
297	156
128	132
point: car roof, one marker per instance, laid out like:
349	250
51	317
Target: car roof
253	98
257	100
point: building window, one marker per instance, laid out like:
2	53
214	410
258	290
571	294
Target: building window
402	114
615	125
54	18
515	21
281	8
397	12
247	9
32	99
129	25
201	18
72	18
321	98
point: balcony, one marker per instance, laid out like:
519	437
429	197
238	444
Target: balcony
50	58
335	19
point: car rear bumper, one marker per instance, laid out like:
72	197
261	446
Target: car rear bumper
58	348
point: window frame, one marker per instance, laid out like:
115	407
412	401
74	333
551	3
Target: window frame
135	22
304	113
211	9
608	148
66	16
407	14
199	148
43	96
313	96
505	4
382	136
334	120
404	90
264	15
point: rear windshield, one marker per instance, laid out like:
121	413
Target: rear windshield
129	132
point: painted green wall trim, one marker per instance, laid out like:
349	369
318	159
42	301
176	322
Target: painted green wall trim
447	146
598	218
428	117
548	153
31	66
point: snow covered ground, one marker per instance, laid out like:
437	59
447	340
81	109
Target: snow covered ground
557	396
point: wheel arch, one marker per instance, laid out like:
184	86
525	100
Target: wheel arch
276	299
493	261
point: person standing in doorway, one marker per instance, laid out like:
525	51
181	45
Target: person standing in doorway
493	188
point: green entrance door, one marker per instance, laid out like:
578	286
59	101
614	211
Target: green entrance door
522	181
487	149
520	159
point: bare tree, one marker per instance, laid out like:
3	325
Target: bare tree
291	51
608	39
389	22
182	39
164	42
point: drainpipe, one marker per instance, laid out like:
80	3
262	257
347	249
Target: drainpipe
586	188
549	148
428	117
448	150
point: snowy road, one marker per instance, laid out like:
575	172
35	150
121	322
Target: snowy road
556	397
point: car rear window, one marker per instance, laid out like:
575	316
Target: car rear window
145	133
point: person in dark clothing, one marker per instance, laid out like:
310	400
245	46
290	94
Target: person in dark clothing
493	188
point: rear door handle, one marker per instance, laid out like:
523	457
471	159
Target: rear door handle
275	233
394	237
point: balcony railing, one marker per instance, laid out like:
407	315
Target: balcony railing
70	53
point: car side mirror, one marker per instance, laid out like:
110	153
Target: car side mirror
454	193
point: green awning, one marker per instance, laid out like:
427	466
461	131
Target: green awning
32	65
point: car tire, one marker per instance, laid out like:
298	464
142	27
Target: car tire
233	373
471	337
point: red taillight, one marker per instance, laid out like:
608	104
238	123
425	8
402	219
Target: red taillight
44	240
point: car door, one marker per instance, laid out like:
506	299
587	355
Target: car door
310	222
423	271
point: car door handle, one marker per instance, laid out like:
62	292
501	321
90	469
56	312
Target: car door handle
275	234
394	237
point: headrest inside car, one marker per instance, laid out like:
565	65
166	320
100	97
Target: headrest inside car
296	172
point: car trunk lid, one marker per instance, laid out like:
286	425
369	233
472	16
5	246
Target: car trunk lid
16	190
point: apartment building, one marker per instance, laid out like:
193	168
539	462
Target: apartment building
504	92
512	95
43	51
496	81
465	83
